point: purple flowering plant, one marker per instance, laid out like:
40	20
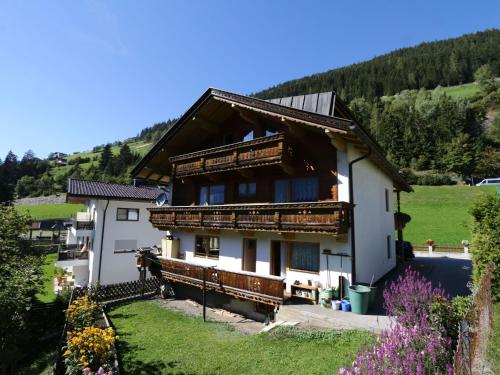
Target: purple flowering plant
416	344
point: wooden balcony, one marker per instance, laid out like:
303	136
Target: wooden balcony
257	152
313	217
244	285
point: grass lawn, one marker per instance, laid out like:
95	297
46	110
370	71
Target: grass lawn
494	345
440	213
462	91
48	268
154	340
52	211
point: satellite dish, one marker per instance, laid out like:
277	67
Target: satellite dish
161	199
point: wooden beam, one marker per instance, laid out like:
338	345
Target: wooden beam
206	125
338	142
247	173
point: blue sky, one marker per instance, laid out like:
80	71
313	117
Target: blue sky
74	74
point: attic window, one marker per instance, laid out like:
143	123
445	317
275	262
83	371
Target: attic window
270	133
248	136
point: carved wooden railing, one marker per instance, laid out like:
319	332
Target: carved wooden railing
263	289
313	217
260	151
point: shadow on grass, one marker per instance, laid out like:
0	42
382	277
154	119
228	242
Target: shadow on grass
138	367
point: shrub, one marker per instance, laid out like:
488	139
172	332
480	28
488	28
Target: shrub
486	235
91	347
82	312
434	180
410	297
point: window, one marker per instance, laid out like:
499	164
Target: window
386	200
248	136
125	245
281	191
247	189
212	194
270	132
304	189
389	247
207	246
304	256
127	214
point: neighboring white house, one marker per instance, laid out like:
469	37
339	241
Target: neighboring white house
292	188
101	242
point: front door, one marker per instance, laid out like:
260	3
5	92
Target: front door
275	266
249	254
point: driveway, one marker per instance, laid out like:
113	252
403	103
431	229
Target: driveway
451	272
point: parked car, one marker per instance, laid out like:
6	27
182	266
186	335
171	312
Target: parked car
406	248
489	181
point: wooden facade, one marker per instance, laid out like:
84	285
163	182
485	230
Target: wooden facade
254	153
262	289
321	217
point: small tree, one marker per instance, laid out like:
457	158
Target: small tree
20	280
486	240
485	79
106	157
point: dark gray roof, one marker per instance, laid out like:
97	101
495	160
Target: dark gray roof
322	103
106	190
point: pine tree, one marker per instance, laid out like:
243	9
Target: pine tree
106	157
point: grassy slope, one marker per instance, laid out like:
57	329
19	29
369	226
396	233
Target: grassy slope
466	90
140	148
52	211
48	269
440	213
156	340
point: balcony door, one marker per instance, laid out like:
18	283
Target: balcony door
249	257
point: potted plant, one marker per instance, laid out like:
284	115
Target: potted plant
60	273
430	244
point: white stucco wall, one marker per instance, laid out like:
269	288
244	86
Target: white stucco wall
120	267
231	251
372	222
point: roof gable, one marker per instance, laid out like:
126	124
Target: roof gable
292	109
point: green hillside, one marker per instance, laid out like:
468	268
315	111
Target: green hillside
446	63
440	213
138	147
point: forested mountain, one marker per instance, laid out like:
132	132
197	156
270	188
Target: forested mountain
446	62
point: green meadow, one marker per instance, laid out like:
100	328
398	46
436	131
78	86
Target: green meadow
440	213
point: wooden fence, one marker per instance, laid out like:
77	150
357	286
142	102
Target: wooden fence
124	291
109	295
475	330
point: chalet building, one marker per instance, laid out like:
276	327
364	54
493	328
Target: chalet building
269	198
101	242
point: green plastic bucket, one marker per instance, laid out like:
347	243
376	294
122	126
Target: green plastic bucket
359	295
373	293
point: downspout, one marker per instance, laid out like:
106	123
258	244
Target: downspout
351	201
102	242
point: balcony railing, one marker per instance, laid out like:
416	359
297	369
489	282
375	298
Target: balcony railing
83	225
260	151
263	289
313	217
71	252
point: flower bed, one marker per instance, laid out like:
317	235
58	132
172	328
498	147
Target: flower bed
90	341
424	335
